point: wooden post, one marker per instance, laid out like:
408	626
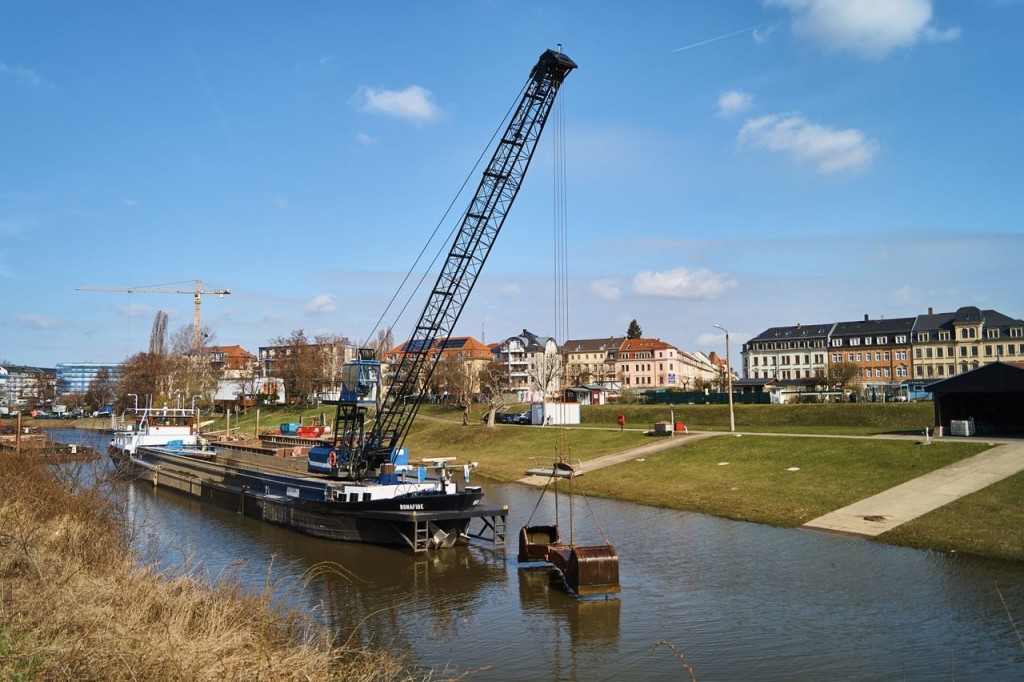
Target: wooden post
257	432
17	435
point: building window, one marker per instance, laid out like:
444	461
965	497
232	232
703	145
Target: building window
854	342
839	342
938	352
1011	349
885	372
991	333
850	357
837	357
917	353
867	340
922	337
1016	332
963	351
878	356
974	351
928	353
988	351
882	340
941	370
901	339
858	357
919	370
944	336
886	354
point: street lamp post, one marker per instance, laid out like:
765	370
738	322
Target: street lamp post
728	372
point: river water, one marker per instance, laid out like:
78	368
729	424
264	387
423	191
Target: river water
738	601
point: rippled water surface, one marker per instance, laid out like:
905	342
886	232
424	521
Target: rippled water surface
739	601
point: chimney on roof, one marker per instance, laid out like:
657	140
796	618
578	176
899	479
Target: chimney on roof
930	310
865	317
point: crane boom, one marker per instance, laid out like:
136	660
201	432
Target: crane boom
472	244
197	327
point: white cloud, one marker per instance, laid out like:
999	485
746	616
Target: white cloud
280	203
709	339
320	305
325	60
734	102
130	203
867	28
682	283
510	290
605	289
761	35
33	321
414	104
26	76
365	141
831	150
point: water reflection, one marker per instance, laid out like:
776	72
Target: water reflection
741	601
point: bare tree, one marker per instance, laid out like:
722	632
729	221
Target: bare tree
331	354
158	335
102	389
495	388
459	378
385	342
296	364
544	372
843	375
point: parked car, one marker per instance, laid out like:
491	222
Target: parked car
509	418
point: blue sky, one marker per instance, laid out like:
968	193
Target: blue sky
745	163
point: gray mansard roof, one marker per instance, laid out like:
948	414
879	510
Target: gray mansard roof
896	325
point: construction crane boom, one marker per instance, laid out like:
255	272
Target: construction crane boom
197	327
480	226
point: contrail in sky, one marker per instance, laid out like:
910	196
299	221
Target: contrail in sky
721	37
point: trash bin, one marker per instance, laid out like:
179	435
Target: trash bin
680	427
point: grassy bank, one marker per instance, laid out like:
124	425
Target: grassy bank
74	604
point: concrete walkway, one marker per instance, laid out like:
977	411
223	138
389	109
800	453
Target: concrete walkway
631	454
886	510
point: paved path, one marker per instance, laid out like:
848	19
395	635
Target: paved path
886	510
603	461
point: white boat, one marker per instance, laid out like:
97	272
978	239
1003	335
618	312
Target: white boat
154	427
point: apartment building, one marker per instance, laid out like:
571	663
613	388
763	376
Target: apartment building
946	344
644	364
534	365
590	361
75	377
881	348
785	353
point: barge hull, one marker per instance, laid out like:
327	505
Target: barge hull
444	521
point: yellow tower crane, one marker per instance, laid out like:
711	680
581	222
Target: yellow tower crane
197	329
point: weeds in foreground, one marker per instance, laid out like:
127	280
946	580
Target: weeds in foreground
74	604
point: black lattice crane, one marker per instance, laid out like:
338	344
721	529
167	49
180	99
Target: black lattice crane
469	250
197	327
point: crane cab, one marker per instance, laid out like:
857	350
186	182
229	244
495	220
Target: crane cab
360	381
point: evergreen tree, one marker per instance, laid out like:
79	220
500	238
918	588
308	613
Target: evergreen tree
634	331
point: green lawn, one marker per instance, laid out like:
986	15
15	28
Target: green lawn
757	484
988	523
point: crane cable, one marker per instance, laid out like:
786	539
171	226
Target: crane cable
561	296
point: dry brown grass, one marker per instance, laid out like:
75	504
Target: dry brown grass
74	604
